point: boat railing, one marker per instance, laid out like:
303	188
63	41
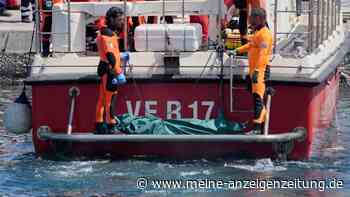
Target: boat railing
320	17
68	10
39	33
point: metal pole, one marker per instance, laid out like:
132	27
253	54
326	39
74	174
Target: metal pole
310	26
73	92
339	11
163	12
220	54
231	82
37	29
334	15
275	27
70	119
323	14
69	27
166	37
327	21
183	11
318	23
267	119
125	27
183	22
219	22
221	57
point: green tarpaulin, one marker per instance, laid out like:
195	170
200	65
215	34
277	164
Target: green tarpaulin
150	124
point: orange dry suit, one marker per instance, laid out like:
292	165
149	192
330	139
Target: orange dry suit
110	63
259	50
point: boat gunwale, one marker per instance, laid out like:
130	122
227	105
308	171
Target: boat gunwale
298	134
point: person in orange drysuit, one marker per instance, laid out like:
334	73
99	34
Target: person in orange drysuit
259	50
109	70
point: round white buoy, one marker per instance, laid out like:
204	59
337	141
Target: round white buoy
18	115
18	118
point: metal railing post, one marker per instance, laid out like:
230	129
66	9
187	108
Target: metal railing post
318	23
323	14
334	15
125	27
183	11
275	27
37	30
69	27
339	11
327	25
219	22
310	26
183	22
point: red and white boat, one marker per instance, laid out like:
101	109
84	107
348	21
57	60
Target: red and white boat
304	73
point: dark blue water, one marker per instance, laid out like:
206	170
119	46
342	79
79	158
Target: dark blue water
21	174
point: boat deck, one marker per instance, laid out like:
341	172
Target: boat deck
288	65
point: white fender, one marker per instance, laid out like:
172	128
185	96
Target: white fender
18	115
18	118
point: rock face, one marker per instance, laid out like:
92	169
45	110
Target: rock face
14	67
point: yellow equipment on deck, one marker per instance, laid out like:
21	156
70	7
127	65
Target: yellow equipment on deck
233	39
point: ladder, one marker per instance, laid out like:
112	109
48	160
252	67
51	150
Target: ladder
233	69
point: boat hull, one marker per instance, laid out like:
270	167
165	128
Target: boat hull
308	105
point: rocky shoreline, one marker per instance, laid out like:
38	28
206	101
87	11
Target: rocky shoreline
14	67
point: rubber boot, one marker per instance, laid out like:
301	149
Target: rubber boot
113	129
262	116
46	49
100	128
259	109
257	130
